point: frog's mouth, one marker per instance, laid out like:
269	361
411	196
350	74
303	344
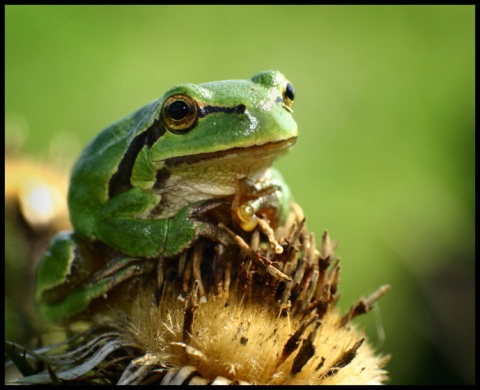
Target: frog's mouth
268	151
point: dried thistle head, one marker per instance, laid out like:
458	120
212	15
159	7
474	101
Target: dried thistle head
250	314
234	341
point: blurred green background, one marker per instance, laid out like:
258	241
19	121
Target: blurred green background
384	161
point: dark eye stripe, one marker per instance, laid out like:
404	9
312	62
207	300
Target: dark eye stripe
120	180
206	110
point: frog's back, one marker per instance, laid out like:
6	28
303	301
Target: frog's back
98	163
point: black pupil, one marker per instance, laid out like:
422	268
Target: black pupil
289	92
178	109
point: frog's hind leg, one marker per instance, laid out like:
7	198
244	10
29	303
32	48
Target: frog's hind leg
102	282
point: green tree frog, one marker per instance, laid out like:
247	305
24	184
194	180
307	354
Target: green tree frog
139	190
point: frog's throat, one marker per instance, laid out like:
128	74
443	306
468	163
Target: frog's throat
270	148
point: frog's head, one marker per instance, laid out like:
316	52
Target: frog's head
196	122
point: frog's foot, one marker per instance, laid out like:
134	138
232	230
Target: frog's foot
114	273
252	200
120	269
266	263
249	221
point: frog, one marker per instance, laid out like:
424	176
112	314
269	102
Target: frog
139	189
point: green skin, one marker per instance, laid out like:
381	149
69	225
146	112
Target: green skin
140	185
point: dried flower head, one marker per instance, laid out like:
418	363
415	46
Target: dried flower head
261	312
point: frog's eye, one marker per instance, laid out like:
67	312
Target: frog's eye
179	113
288	95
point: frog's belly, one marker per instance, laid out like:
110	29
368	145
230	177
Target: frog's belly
184	189
180	196
200	177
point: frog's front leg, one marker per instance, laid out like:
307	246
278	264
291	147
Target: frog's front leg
269	198
128	224
66	281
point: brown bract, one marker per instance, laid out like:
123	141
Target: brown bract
248	313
